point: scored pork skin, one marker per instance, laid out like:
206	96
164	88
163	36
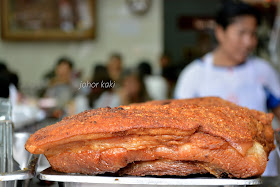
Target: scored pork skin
218	135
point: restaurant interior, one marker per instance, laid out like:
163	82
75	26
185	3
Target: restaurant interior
68	56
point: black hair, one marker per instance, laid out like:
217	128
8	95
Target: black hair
116	55
4	85
3	66
143	95
230	9
100	73
8	76
65	60
144	68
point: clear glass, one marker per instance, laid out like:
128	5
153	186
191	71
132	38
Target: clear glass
6	136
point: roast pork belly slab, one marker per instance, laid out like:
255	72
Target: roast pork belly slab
170	137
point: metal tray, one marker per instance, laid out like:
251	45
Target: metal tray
277	138
24	163
51	175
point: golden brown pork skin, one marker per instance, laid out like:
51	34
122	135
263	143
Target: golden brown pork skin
171	137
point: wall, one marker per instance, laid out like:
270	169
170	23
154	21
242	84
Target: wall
177	40
136	37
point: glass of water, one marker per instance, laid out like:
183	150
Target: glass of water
6	136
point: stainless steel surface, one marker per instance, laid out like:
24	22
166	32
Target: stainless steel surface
277	138
6	138
51	175
42	164
24	163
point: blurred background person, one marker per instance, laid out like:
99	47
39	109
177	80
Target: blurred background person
99	74
13	81
230	72
23	113
5	80
164	61
115	67
62	86
169	71
131	90
156	85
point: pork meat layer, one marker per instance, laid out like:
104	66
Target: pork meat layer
171	137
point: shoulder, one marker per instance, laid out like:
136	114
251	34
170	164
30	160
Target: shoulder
261	64
194	67
266	73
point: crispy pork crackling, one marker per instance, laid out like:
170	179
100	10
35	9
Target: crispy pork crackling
171	137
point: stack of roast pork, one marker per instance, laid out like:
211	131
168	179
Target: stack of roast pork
170	137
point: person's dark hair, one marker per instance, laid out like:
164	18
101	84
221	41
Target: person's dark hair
231	9
4	85
100	73
65	60
143	94
14	79
8	76
144	68
116	55
3	66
